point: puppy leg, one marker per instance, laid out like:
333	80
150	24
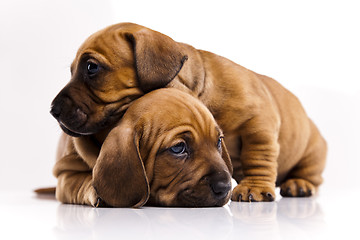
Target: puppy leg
304	179
76	188
75	181
258	161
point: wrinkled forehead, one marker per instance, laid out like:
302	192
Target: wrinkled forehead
170	110
108	44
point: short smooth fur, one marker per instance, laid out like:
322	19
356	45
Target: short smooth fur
271	140
167	150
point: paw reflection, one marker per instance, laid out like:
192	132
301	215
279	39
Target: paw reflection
278	219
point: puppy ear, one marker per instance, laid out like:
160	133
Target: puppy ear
226	157
119	176
158	58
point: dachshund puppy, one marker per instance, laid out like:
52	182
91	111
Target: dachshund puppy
271	140
167	150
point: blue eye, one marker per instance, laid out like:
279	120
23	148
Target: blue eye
178	149
92	68
219	142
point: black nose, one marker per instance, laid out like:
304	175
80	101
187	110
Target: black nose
55	110
220	186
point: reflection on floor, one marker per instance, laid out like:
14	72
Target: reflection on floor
26	215
257	220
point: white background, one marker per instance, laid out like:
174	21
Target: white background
311	47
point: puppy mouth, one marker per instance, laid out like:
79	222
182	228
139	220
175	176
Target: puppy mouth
71	132
85	117
188	199
86	129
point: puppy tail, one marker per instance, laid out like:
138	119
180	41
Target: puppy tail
50	190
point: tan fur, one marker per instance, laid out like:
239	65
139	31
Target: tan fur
133	164
270	138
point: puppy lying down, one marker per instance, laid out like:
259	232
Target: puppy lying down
167	150
270	138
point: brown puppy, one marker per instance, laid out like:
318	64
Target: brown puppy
270	138
167	149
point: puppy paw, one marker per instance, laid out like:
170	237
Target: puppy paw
100	203
297	188
248	193
95	200
91	197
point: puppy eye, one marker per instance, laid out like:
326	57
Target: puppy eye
92	68
219	142
178	149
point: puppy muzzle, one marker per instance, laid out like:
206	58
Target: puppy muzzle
70	117
213	190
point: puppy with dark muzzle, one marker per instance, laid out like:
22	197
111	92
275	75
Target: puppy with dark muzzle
167	150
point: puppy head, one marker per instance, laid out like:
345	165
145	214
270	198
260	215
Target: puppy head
167	151
111	69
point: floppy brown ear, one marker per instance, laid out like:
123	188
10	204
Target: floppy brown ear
119	176
158	58
226	157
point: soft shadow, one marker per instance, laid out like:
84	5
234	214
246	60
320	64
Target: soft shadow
302	217
255	220
190	223
286	218
83	222
47	197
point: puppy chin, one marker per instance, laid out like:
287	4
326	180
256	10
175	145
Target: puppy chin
73	133
189	199
84	126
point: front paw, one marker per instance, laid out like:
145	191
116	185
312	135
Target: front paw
95	200
253	193
100	203
91	197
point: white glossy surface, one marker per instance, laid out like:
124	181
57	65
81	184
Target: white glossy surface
26	216
311	48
